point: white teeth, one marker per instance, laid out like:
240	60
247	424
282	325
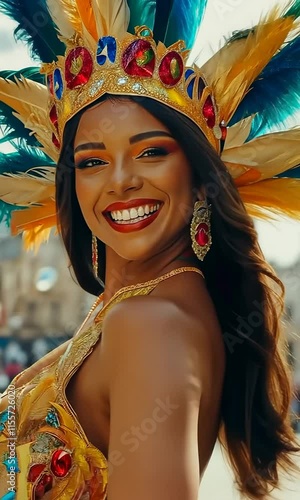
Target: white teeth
133	213
126	215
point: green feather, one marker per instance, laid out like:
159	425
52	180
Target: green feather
142	12
294	10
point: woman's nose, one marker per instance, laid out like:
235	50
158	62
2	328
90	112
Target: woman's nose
123	177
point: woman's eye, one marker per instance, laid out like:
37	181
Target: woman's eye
153	152
91	162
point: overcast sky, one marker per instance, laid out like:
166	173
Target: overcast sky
280	241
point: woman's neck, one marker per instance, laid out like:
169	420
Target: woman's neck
121	272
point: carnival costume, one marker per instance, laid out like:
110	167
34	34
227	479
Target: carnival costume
241	99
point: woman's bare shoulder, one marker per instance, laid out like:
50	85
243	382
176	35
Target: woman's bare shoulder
179	310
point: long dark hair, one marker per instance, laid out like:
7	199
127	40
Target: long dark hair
248	297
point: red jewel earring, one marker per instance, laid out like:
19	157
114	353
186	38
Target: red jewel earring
95	255
200	229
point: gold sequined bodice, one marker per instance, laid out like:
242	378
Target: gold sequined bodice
44	450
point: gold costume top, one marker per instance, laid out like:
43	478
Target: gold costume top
44	452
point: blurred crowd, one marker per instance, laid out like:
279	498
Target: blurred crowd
16	355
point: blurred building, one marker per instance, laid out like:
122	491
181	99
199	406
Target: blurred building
38	297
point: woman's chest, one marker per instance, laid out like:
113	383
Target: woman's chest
87	394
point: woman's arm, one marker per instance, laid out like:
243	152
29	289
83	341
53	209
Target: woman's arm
155	396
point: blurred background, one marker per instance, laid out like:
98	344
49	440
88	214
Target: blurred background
40	303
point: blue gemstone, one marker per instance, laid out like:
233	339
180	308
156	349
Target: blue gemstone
190	88
11	464
3	420
11	495
107	49
201	87
58	83
188	73
52	418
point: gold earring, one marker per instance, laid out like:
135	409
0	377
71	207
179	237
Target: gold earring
95	255
201	229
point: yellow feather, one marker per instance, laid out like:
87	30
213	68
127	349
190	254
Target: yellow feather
30	102
86	13
111	16
25	189
32	240
35	223
35	403
269	154
34	217
66	16
238	133
231	71
271	198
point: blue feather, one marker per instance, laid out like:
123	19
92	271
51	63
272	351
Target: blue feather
274	95
21	160
13	128
35	27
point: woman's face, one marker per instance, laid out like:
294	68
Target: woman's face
133	181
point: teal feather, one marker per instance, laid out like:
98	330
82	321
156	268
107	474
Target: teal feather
24	158
21	160
13	128
184	21
35	27
142	12
293	10
293	173
274	95
170	20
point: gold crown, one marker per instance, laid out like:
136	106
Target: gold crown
135	66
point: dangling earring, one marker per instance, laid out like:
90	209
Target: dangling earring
201	229
95	255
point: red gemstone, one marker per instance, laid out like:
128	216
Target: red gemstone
139	59
171	68
54	117
44	485
202	234
55	141
61	463
209	112
78	67
34	472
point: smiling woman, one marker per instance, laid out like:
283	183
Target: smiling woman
160	166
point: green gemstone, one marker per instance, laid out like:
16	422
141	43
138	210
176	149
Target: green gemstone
175	68
145	58
145	32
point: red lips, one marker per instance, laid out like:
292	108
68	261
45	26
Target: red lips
132	226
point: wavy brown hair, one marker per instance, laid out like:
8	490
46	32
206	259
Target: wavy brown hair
255	428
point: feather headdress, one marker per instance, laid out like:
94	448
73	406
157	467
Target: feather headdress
242	98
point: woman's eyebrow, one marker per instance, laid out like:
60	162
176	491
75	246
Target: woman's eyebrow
89	145
132	140
148	135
